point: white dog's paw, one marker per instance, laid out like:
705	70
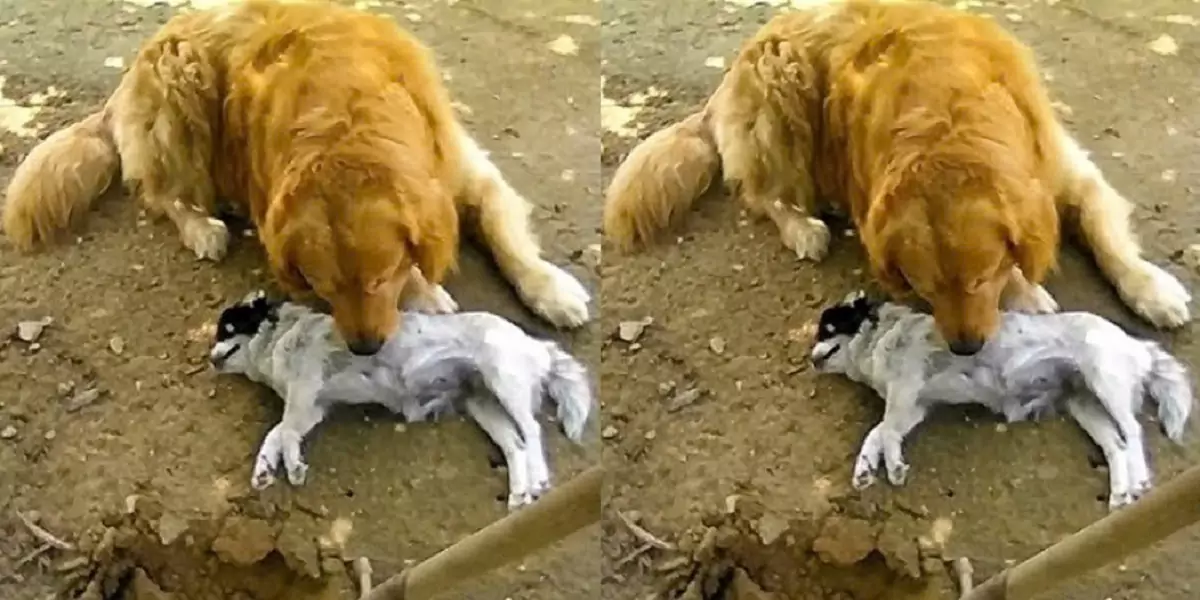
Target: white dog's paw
437	302
297	473
519	501
264	474
555	295
1156	296
1119	500
539	488
1141	488
898	473
807	237
208	238
1034	301
863	475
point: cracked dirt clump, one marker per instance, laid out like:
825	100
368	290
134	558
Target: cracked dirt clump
243	553
847	552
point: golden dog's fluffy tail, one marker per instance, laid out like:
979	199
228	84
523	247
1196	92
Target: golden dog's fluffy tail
659	180
57	183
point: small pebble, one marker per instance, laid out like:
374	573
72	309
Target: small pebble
630	331
117	345
608	433
8	433
50	435
30	331
1001	428
717	345
400	428
651	434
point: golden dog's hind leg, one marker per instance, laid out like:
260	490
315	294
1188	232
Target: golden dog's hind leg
1103	219
762	119
163	114
502	222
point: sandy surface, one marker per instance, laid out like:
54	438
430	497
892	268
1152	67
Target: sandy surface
169	429
767	427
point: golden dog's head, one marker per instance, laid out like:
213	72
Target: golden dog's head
352	238
955	246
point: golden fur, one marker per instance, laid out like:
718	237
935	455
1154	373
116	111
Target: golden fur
330	128
930	129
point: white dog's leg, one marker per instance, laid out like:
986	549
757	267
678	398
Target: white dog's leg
1101	429
1117	401
503	223
1103	218
426	297
300	415
498	426
270	456
1022	295
869	459
898	420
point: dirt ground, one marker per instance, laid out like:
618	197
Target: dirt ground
728	303
166	429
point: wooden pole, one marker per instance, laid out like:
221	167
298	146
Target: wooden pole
565	510
1165	510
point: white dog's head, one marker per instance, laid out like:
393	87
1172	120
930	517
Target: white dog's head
838	325
237	325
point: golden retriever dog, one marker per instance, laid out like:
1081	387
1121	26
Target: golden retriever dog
331	130
930	129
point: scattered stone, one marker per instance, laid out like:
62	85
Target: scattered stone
170	527
715	62
610	432
770	528
684	399
1190	257
1001	428
650	435
631	331
564	45
844	541
65	388
244	541
50	435
1164	45
666	387
82	399
30	331
717	345
117	345
8	433
590	256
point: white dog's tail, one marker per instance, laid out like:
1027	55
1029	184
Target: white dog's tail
1170	386
58	181
568	386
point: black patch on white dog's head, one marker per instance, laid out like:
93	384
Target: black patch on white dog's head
846	317
246	316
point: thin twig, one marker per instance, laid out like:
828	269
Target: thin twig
644	548
362	568
966	575
28	558
42	534
643	535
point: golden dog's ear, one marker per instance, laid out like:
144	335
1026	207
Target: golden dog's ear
429	225
880	241
279	241
1033	234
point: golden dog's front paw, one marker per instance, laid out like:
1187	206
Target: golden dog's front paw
207	237
807	237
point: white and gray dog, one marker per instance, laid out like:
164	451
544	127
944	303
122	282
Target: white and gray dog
1033	366
434	365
